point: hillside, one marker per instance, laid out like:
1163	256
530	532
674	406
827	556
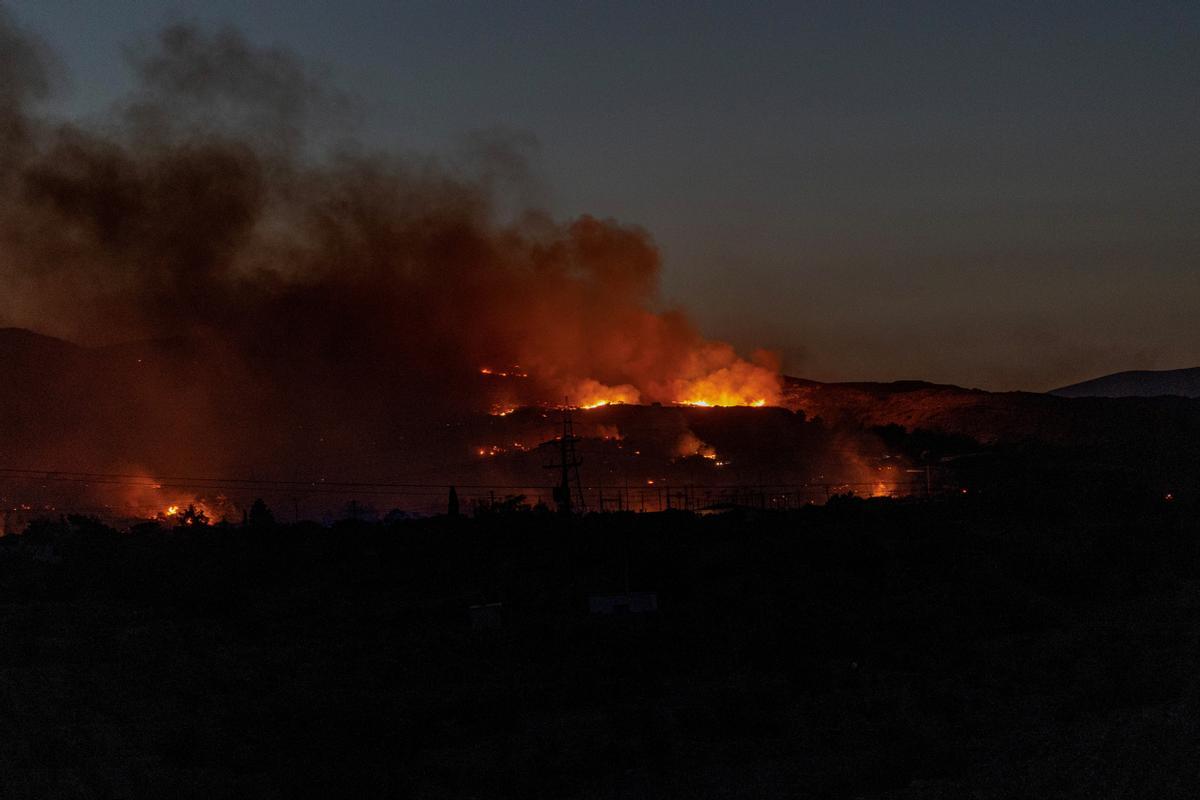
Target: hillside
994	417
174	407
1138	383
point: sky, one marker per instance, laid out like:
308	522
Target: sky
1001	195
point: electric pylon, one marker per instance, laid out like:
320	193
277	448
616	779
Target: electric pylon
568	494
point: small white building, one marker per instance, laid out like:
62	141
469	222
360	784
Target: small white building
487	616
625	603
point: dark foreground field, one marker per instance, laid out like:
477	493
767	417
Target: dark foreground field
865	649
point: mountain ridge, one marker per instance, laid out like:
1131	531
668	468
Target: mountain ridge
1137	383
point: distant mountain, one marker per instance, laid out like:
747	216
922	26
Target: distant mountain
1001	417
19	343
1138	383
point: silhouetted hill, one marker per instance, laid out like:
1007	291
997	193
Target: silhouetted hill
1154	438
1138	383
22	343
69	406
989	417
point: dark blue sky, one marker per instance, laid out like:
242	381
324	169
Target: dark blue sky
1002	195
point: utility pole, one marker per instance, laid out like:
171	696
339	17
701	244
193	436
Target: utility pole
569	487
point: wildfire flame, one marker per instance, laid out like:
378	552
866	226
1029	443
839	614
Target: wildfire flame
742	384
340	270
722	401
636	357
712	375
194	514
739	383
593	394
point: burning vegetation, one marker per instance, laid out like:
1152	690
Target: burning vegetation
264	305
178	218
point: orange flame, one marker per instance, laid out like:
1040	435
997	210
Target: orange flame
736	383
695	373
593	394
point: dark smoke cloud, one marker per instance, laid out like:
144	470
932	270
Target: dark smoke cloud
194	81
345	292
25	66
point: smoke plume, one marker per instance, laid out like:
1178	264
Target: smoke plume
284	284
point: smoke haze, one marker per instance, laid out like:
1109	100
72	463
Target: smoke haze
248	283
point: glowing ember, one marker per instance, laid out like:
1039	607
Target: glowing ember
512	372
191	515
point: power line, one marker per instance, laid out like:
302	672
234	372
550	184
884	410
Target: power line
176	482
381	488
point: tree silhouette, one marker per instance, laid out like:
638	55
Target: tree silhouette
260	517
192	517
